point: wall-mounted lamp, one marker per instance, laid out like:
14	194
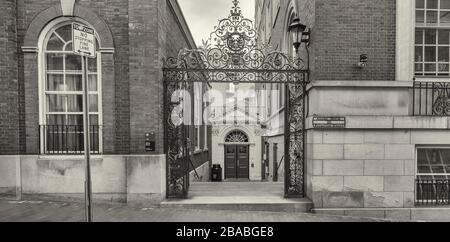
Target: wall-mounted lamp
363	59
300	33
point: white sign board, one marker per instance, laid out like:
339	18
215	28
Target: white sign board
83	40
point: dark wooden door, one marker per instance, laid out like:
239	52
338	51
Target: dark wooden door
237	165
243	162
230	162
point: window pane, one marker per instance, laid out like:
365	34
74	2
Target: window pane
55	62
430	68
443	54
419	54
430	53
430	36
73	63
55	82
445	17
93	83
55	43
93	119
74	82
434	161
444	37
55	103
69	47
432	4
56	119
75	120
75	103
420	3
65	32
432	17
445	4
443	68
92	65
419	36
93	103
420	16
419	67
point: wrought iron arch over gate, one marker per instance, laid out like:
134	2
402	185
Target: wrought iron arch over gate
233	57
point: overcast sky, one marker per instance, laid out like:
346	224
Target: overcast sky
203	15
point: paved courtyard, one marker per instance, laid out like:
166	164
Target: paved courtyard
45	211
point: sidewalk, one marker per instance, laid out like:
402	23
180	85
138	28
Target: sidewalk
44	211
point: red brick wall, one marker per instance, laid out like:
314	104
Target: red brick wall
132	76
9	86
144	77
155	34
116	100
115	14
345	29
342	30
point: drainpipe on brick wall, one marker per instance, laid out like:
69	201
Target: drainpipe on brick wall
18	178
275	162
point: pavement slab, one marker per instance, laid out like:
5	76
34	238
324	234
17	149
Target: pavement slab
45	211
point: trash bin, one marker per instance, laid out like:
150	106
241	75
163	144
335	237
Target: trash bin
216	173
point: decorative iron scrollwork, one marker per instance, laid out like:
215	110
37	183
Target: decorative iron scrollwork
234	57
441	103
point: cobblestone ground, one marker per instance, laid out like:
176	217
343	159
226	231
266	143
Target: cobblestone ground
44	211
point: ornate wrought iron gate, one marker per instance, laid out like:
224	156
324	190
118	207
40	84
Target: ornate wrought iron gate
233	58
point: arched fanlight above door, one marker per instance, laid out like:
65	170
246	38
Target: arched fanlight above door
236	136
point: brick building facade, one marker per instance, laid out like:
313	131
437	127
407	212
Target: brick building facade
40	82
390	158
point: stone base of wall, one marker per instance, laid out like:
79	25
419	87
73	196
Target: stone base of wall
124	179
404	214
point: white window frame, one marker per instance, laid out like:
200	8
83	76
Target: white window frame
405	43
434	27
42	78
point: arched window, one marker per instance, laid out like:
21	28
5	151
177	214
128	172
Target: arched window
236	136
62	94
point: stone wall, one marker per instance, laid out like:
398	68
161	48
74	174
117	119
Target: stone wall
127	179
362	168
368	168
372	168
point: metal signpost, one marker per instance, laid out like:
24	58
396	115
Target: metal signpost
83	43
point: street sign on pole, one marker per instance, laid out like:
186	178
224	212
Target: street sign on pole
84	46
83	40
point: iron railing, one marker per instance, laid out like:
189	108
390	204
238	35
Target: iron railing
432	192
431	98
67	139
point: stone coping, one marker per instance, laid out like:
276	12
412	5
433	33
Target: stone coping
391	122
360	84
